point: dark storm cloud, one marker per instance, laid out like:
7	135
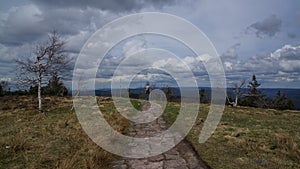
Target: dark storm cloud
31	22
292	35
21	24
267	27
110	5
18	38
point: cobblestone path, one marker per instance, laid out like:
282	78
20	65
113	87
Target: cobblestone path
182	156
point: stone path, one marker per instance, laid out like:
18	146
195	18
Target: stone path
182	156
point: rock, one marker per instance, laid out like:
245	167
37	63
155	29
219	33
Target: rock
156	158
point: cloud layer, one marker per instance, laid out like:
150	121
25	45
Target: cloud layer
267	27
270	47
110	5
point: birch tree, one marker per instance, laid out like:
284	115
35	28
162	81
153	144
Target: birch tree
237	91
48	59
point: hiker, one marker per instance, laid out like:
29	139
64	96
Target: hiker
147	91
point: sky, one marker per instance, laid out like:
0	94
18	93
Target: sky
260	37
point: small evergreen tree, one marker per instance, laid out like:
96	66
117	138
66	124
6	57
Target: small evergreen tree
1	90
253	85
203	98
33	90
254	98
281	102
169	93
55	87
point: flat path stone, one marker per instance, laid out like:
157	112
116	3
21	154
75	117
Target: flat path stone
182	156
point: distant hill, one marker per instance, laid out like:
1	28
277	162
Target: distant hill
293	94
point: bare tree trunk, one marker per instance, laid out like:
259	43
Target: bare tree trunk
40	97
78	88
39	87
235	103
77	94
238	94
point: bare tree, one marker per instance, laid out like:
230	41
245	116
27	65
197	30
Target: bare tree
237	91
49	59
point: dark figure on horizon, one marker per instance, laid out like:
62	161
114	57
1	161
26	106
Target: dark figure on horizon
147	91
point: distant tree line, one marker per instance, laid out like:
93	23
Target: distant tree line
241	94
54	87
254	97
169	92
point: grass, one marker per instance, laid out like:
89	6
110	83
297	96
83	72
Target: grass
30	140
247	138
136	104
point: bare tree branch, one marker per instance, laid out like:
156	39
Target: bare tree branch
237	90
50	59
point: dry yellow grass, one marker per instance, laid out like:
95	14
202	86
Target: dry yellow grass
245	137
30	140
248	138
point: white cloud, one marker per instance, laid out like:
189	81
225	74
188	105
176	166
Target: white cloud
286	79
282	65
288	57
290	65
204	58
189	60
171	64
287	52
228	66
